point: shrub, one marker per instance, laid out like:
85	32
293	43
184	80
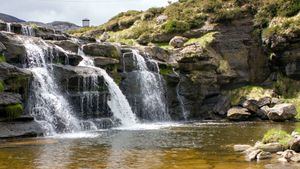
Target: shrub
225	15
175	26
13	111
1	86
2	58
275	135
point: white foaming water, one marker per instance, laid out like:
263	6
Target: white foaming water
151	89
8	27
27	30
49	107
150	126
118	102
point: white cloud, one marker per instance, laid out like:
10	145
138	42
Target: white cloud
98	11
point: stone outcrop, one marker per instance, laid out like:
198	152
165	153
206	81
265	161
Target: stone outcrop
238	114
282	112
102	50
178	41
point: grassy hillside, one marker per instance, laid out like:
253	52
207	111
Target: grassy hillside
144	26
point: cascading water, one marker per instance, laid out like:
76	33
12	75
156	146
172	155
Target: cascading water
8	27
48	106
118	102
184	112
27	30
150	85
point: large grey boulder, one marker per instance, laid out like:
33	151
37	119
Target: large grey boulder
67	45
20	129
282	112
269	147
178	41
238	114
295	144
103	50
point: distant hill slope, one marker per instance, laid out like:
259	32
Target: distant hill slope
9	18
63	26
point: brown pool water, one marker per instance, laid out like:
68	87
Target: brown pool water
184	146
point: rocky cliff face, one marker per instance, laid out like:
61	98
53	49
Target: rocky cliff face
208	67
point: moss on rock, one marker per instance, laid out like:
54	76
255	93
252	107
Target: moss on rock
1	86
13	111
275	135
2	58
248	92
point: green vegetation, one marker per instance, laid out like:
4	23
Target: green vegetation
13	111
166	70
283	26
203	40
1	86
174	26
275	135
248	92
289	91
164	45
2	58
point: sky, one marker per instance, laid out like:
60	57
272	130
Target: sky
98	11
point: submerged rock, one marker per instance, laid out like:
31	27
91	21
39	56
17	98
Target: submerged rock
282	112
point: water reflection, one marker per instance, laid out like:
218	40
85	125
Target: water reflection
188	146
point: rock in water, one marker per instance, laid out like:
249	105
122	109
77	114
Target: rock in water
264	155
238	114
269	147
178	41
282	112
241	147
295	145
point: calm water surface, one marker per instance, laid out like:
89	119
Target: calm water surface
184	146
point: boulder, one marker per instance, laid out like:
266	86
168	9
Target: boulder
20	129
269	147
265	101
104	61
282	112
264	155
73	59
67	45
251	105
262	114
253	155
295	144
241	147
161	19
10	98
49	34
238	114
103	50
157	53
104	37
178	41
288	154
296	158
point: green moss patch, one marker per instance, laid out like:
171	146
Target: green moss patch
13	111
248	92
1	86
275	135
2	58
203	40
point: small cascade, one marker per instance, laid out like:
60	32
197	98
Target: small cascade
8	27
27	30
48	106
184	112
117	102
150	100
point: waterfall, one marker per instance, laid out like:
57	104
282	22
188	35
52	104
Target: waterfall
8	27
48	106
151	86
27	30
184	112
118	102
